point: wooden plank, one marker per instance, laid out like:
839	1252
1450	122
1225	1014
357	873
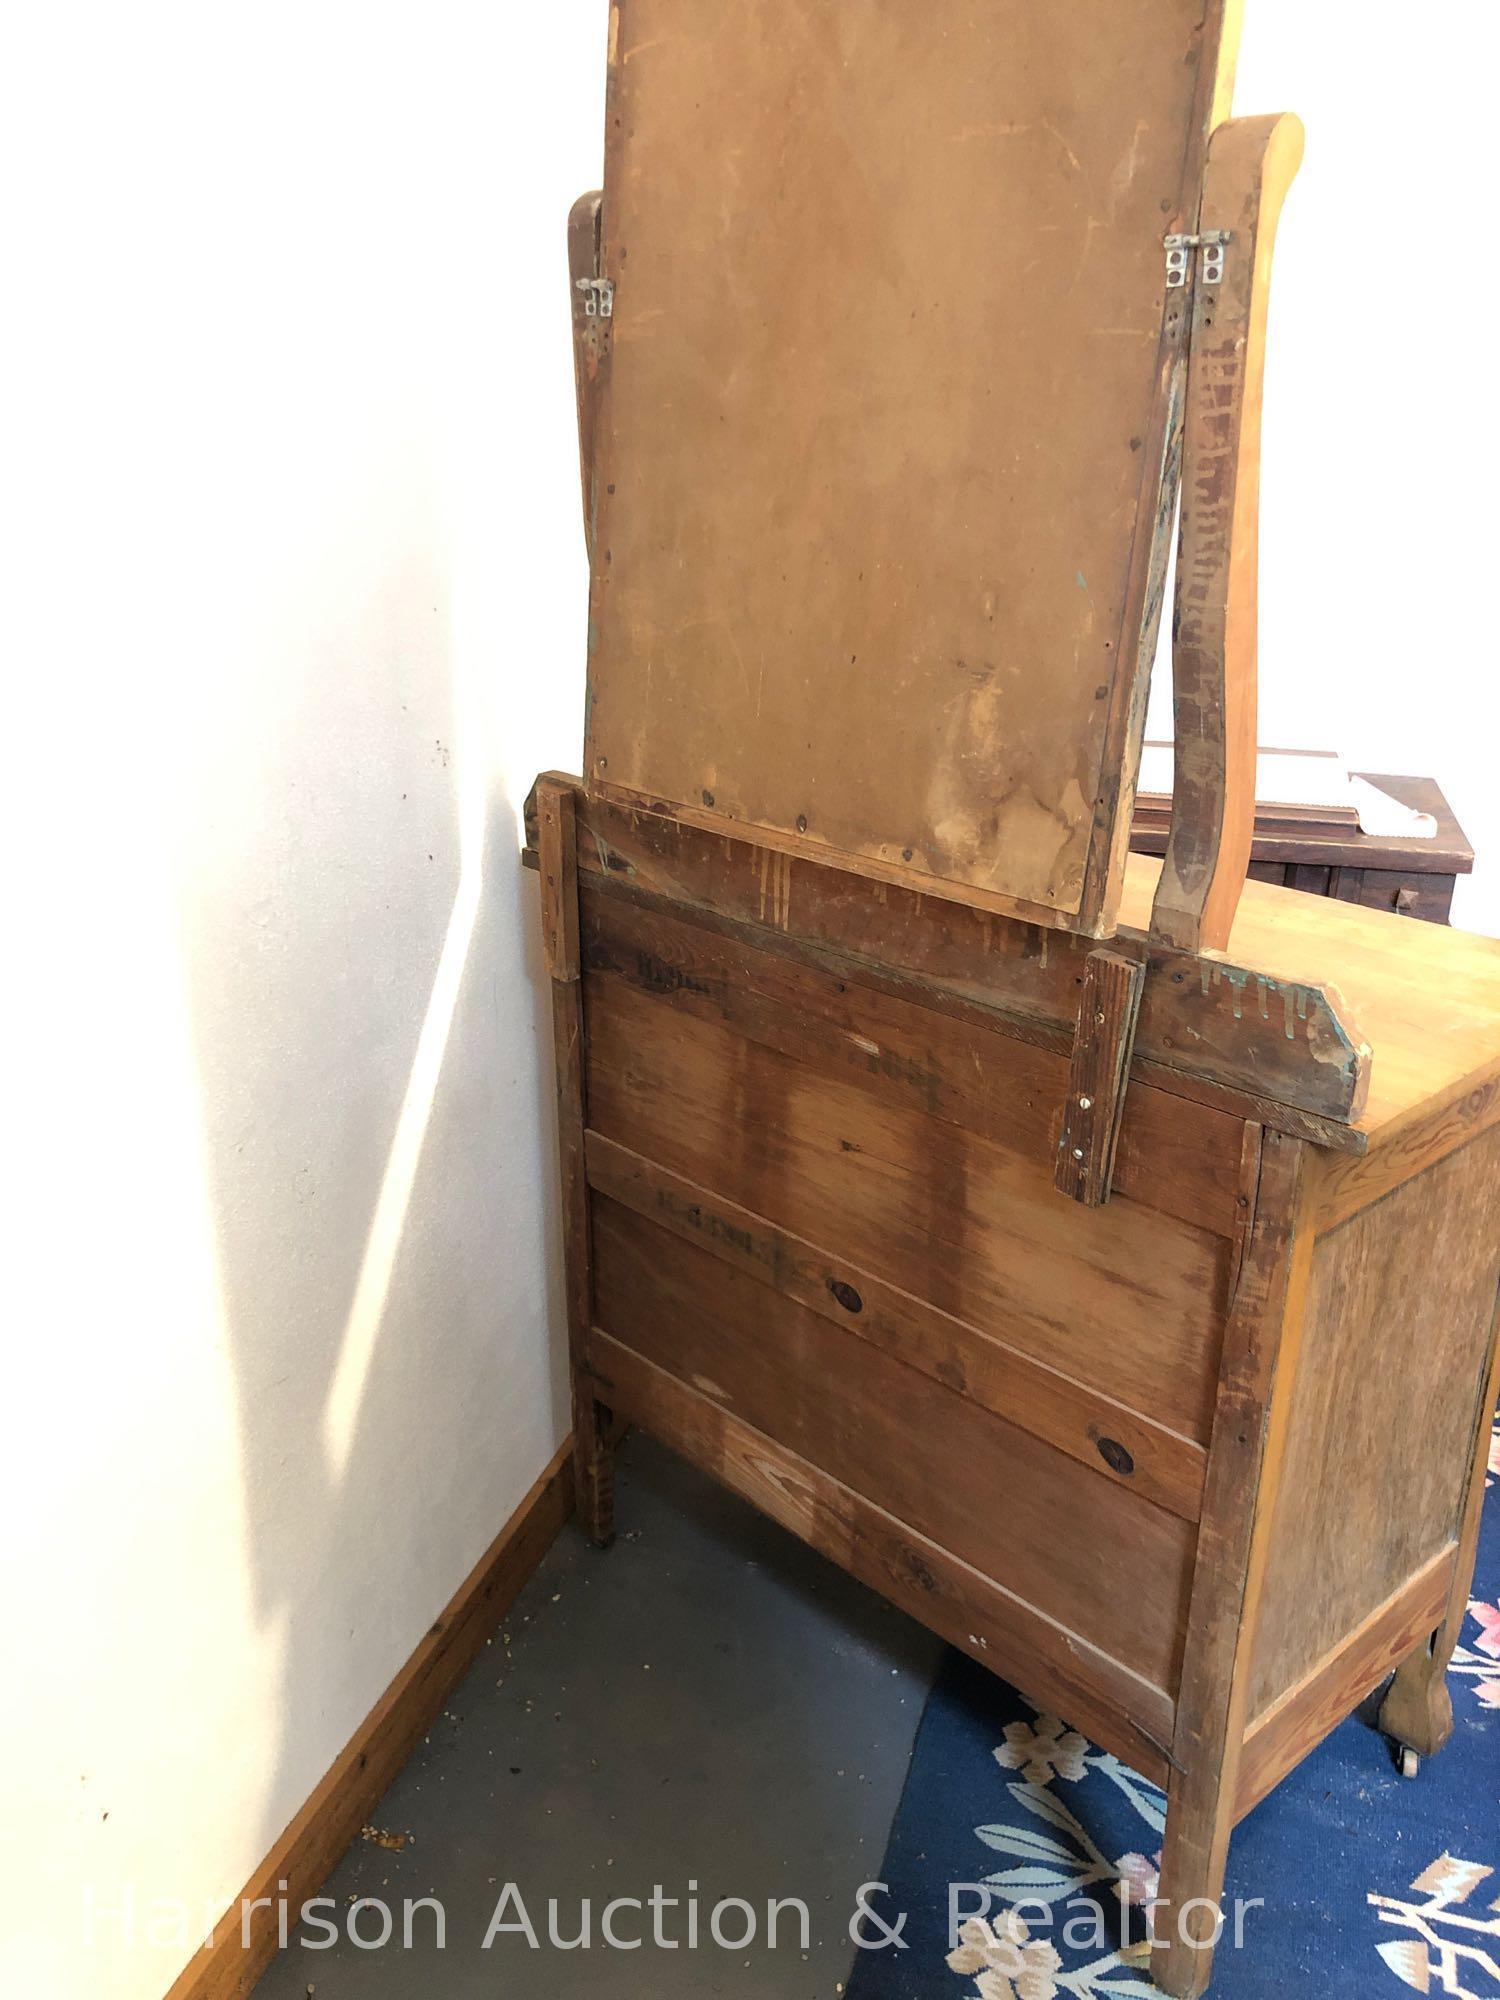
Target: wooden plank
1122	1298
243	1942
1116	1443
950	1061
1237	1101
1255	1391
827	497
1418	1709
557	846
1098	1075
1251	165
1086	1551
1393	1356
1252	1153
1273	1041
1117	1709
1282	1735
591	345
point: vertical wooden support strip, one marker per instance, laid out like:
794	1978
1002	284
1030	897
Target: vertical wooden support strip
557	853
590	339
1256	1381
1098	1075
1251	164
1156	511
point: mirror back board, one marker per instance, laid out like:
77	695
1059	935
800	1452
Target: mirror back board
887	408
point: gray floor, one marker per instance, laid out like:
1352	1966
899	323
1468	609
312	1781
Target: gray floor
708	1703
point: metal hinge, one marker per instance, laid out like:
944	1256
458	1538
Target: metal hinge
598	297
1179	251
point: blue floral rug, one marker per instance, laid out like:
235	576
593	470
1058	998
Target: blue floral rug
1022	1856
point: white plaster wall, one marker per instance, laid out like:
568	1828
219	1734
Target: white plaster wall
298	599
293	515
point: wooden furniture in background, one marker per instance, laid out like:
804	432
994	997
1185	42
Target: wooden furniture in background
1058	1239
1415	878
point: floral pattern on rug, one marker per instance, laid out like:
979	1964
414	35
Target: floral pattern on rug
1455	1946
1054	1860
1475	1666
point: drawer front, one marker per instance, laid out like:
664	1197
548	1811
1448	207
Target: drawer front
1408	894
1108	1566
1429	897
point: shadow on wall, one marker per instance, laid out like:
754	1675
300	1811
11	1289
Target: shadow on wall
367	997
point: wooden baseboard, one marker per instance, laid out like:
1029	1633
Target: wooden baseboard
226	1968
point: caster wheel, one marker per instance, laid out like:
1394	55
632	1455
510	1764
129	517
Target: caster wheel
1409	1762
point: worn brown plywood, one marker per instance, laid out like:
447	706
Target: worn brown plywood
884	427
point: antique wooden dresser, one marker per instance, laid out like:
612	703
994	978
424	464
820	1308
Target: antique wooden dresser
1096	1260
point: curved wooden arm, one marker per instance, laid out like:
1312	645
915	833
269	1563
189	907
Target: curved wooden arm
584	226
1251	164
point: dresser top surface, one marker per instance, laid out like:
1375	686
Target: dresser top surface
1425	998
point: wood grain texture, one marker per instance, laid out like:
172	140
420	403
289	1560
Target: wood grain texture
1335	1685
228	1967
1098	1076
1418	1709
1085	1551
853	469
919	1045
1250	1417
1122	1298
1394	1354
1408	1145
1207	1026
591	336
1251	165
1427	1001
1119	1710
557	850
1115	1443
557	846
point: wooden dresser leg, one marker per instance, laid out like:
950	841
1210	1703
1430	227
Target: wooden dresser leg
1417	1712
557	852
593	1464
1200	1818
